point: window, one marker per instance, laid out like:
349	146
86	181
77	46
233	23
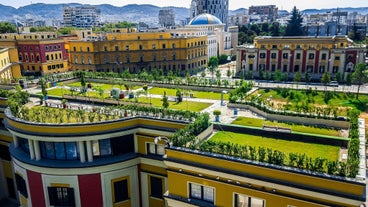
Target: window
247	201
105	48
61	196
153	46
273	55
163	46
127	47
140	47
298	56
201	192
335	69
296	68
321	69
116	48
156	187
324	56
285	55
101	147
273	67
59	150
337	57
21	185
23	144
155	149
311	56
274	46
262	55
173	45
121	192
284	68
309	68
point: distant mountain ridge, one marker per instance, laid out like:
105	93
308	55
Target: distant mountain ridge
131	12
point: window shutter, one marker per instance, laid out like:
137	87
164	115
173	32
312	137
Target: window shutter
52	195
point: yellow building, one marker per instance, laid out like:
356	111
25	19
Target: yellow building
128	161
115	52
312	55
39	53
9	64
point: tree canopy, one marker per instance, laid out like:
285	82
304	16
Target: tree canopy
294	26
7	27
360	76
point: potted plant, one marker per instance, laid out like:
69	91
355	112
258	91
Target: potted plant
217	114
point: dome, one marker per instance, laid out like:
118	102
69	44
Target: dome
204	19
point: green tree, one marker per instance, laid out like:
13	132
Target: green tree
359	76
294	26
338	77
307	77
212	65
297	78
275	29
349	79
7	27
165	101
223	59
278	76
325	79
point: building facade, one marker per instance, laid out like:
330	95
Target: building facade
269	11
166	18
38	53
218	8
116	52
10	65
121	163
81	17
312	55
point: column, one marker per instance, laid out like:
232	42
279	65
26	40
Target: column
89	150
31	149
82	153
15	140
37	150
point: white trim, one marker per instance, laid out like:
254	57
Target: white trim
72	181
23	172
330	198
78	171
144	189
132	173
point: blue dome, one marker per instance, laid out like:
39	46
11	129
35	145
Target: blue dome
204	19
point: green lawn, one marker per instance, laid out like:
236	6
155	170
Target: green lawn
196	94
310	149
184	105
59	92
245	121
190	105
315	98
104	86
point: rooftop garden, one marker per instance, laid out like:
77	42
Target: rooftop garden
311	157
323	103
254	122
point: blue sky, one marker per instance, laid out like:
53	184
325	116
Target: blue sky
234	4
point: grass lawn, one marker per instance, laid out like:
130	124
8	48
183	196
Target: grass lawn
311	150
59	92
196	94
104	86
316	98
184	105
156	102
245	121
